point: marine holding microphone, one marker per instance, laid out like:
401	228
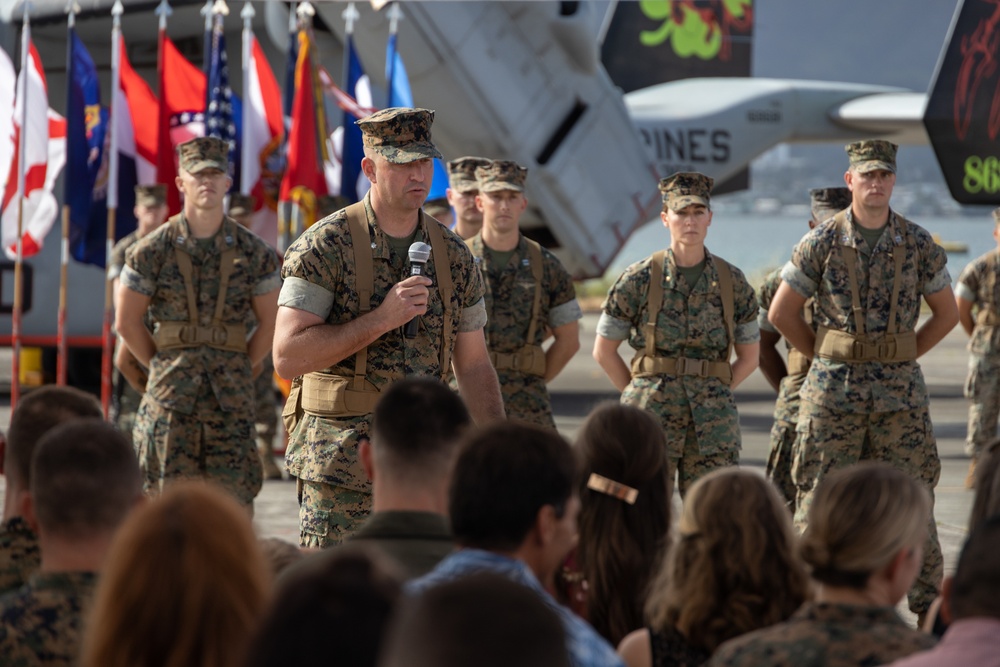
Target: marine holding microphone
348	295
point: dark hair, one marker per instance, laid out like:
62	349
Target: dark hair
36	413
416	427
975	589
279	554
506	473
484	620
987	501
84	478
342	597
621	544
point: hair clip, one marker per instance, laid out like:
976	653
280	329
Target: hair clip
612	488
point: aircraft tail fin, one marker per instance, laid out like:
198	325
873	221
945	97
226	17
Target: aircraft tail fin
655	41
963	108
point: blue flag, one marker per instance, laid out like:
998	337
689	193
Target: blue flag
86	127
398	94
353	149
223	111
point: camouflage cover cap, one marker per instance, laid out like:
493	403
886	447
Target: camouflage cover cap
501	175
873	154
462	173
685	188
436	207
240	204
399	135
826	202
204	153
151	196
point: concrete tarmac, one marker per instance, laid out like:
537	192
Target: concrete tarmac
583	384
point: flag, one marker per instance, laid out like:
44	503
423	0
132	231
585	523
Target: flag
262	144
138	139
44	157
307	136
399	94
222	109
181	113
353	183
86	127
7	78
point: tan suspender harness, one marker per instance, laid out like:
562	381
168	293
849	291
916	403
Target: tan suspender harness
220	335
987	315
798	363
327	395
842	346
530	359
646	363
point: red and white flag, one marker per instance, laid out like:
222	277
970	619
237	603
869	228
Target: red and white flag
182	113
43	159
262	136
137	133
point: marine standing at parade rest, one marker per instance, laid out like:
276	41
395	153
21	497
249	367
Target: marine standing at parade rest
528	293
205	282
684	311
343	311
864	397
979	313
787	380
461	194
264	391
150	212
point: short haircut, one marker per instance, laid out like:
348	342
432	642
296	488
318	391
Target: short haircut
36	413
345	596
279	554
484	620
416	428
505	474
975	589
85	478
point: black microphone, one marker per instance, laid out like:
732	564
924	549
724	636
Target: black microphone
419	254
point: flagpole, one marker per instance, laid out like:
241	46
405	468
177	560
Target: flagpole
395	13
206	11
61	351
15	380
247	15
350	16
107	338
305	13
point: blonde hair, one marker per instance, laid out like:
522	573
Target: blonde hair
184	584
860	518
734	567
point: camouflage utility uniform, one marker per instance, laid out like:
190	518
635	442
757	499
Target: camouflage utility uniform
786	407
826	635
19	553
510	296
43	622
127	399
698	413
868	409
979	284
196	418
320	278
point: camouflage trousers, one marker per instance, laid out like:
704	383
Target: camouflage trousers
126	406
207	444
779	460
831	439
526	399
329	514
982	388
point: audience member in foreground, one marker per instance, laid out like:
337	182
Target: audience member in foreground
625	495
733	569
971	606
513	508
36	413
84	480
416	427
185	584
987	501
484	620
342	597
864	544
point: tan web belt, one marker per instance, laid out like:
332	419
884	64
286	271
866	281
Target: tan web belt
529	360
176	335
841	346
644	365
798	363
325	395
988	318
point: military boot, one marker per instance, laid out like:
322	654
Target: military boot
271	469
